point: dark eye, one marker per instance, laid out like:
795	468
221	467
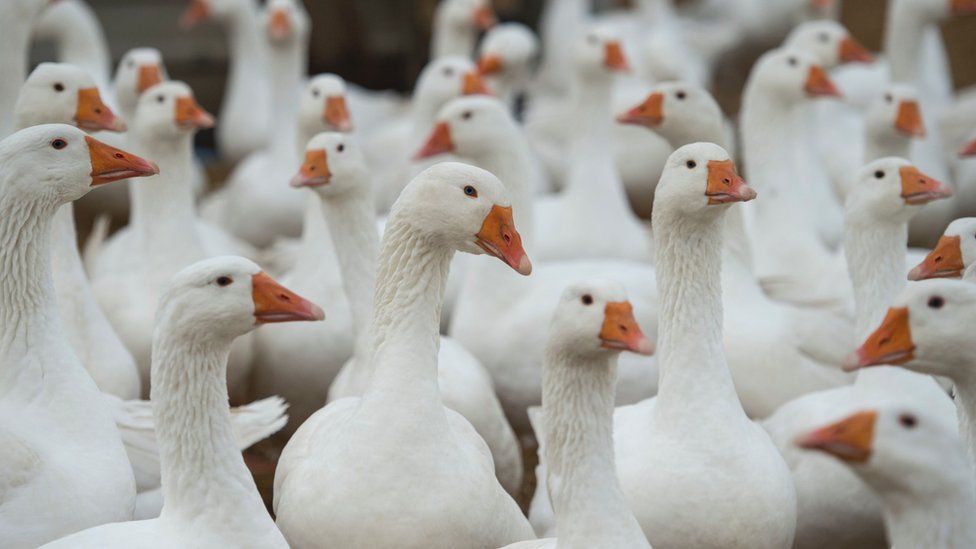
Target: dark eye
691	164
160	99
908	420
792	61
59	143
824	37
470	191
130	63
341	147
889	98
448	71
224	281
587	299
879	174
680	95
59	87
315	93
936	302
467	115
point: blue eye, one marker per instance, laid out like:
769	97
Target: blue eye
470	191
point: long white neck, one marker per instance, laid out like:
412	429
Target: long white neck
882	144
81	42
451	39
163	215
203	473
405	334
695	382
966	412
578	403
904	32
247	50
287	71
15	23
561	22
938	517
511	160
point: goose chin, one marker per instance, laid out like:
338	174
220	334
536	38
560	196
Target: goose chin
919	199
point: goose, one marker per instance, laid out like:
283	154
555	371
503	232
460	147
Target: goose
245	116
693	441
591	218
444	490
78	37
835	508
914	464
163	235
251	205
61	449
456	26
592	324
775	353
16	19
480	130
952	255
210	497
66	94
505	58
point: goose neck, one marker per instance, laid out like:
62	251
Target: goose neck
936	517
203	474
287	69
16	21
411	278
81	42
511	161
875	252
905	28
882	144
766	138
578	403
694	378
966	412
452	39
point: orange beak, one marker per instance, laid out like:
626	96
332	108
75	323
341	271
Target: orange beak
620	330
818	84
149	76
891	343
190	115
962	7
337	113
93	115
725	185
314	171
275	303
499	238
918	188
945	261
969	149
111	164
909	119
848	439
279	26
484	18
490	63
473	84
439	142
852	51
197	12
821	5
650	113
614	58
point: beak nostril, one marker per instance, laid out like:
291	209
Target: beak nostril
727	181
938	259
623	328
284	297
119	155
98	111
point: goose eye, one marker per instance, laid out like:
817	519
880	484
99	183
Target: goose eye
936	302
467	115
680	95
587	299
691	164
58	143
792	61
341	147
130	63
315	93
448	71
824	37
160	99
59	87
879	174
908	420
471	191
224	281
889	98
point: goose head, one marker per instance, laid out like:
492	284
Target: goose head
222	298
952	255
198	11
169	111
927	329
285	22
465	15
507	51
829	42
792	76
139	70
322	107
334	165
599	54
470	127
891	190
895	113
465	208
595	318
66	162
968	149
675	109
699	179
58	92
894	449
445	78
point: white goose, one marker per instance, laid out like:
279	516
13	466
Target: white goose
78	37
505	59
835	508
456	27
953	254
210	497
444	490
16	20
61	450
592	324
915	465
691	452
245	110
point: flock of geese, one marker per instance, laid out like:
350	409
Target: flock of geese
762	365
